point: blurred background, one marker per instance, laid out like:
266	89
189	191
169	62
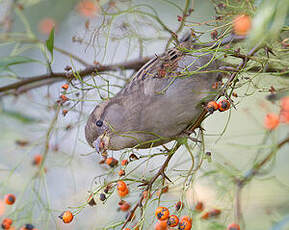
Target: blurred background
106	32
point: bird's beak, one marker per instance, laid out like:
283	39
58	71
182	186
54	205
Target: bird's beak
101	143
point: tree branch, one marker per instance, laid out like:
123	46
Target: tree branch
54	77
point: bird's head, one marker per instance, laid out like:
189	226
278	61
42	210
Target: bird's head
102	124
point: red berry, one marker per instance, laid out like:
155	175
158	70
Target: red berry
224	105
10	199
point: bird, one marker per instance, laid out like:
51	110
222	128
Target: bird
159	102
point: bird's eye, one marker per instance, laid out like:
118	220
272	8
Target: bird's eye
99	123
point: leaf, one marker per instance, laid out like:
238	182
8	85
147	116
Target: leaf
50	43
14	60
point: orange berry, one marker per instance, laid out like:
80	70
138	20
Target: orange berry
124	162
173	221
161	225
6	223
185	225
187	218
127	229
46	25
63	98
123	193
213	213
121	172
212	106
163	190
124	206
121	185
64	112
112	162
224	105
87	8
10	199
271	121
65	86
242	24
37	159
233	226
199	206
66	217
162	213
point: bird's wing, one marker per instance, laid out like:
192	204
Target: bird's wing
158	67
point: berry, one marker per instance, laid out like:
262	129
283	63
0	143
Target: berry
121	185
63	98
37	159
107	188
212	106
162	213
124	162
233	226
242	24
10	199
186	218
6	223
65	86
102	197
199	206
28	227
123	193
213	213
161	225
173	221
185	225
122	188
124	206
224	105
271	121
121	172
66	217
112	162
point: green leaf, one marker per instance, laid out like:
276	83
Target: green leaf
50	43
14	60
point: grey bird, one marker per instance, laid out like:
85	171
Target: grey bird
158	104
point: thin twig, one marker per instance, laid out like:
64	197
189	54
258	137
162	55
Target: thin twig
149	184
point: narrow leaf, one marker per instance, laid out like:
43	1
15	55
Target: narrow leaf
50	43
